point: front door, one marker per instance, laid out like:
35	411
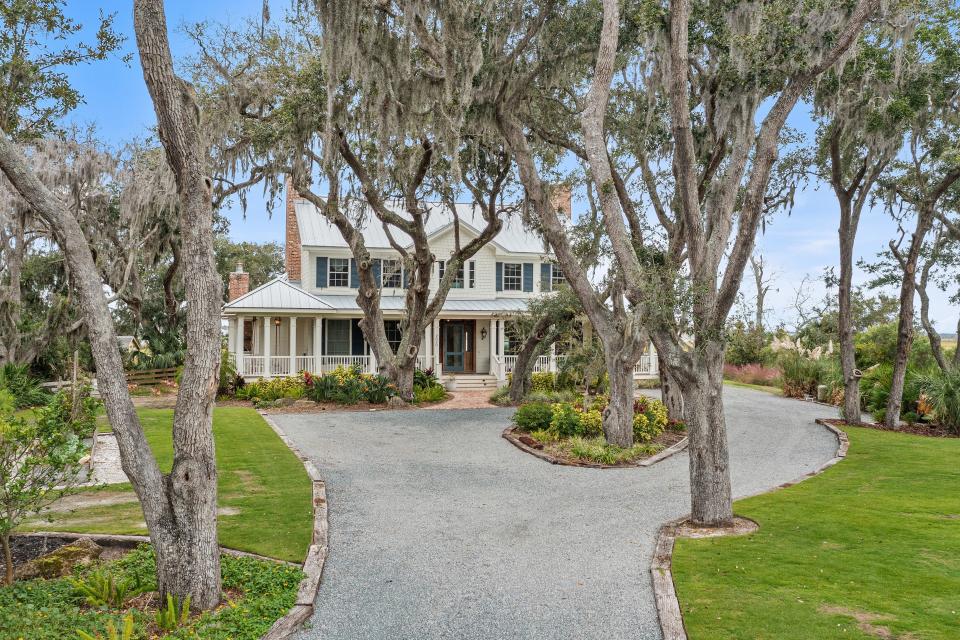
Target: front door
454	347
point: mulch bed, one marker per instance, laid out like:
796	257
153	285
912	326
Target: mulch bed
669	442
916	429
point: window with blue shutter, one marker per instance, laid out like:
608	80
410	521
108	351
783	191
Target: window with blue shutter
441	267
528	276
499	276
354	275
376	271
545	276
358	344
321	271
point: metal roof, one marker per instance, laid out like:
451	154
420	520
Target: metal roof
317	231
397	303
277	294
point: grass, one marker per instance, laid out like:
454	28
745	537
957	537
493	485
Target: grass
758	387
265	495
870	543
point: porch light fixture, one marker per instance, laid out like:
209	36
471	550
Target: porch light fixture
276	321
483	333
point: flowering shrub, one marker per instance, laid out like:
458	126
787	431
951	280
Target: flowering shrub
571	419
565	420
348	385
649	419
752	374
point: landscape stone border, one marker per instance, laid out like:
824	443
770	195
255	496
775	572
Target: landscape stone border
511	435
661	572
313	565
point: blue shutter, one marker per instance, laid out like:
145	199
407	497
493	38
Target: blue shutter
354	275
321	271
357	343
528	276
406	277
545	276
499	276
323	337
440	269
376	271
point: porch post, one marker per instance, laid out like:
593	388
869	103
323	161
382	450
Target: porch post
553	358
493	348
238	344
267	325
501	329
318	345
293	345
436	348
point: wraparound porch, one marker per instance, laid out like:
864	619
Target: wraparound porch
278	345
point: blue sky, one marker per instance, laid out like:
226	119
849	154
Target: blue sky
116	101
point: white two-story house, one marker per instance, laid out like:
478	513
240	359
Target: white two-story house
307	319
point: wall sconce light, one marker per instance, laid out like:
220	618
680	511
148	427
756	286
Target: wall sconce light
276	321
483	333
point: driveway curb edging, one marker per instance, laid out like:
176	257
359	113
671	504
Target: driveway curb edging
661	565
313	564
509	434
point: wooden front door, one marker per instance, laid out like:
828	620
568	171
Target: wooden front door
459	346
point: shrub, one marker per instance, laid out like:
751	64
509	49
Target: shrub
799	374
533	416
501	397
591	423
348	385
424	378
752	374
597	450
649	419
378	389
565	421
26	389
942	396
436	393
273	389
543	381
551	397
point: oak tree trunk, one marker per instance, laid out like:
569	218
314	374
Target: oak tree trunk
848	360
7	559
710	491
905	318
618	416
522	379
670	393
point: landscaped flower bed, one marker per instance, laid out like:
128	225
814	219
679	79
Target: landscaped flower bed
257	593
572	432
344	386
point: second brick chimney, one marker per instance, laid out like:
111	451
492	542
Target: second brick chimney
562	201
239	283
292	248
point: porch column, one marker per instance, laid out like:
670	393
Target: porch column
553	358
318	345
494	369
501	329
437	366
238	344
293	345
267	325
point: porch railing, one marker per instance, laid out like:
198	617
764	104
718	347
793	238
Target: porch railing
250	366
424	362
305	363
646	366
542	364
280	365
329	363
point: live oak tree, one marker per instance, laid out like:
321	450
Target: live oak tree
916	185
705	74
180	507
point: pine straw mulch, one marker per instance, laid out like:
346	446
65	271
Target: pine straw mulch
916	429
559	452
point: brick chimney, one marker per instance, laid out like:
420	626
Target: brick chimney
292	249
239	283
562	201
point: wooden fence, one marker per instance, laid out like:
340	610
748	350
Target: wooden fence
150	377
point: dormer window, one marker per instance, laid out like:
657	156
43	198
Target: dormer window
391	274
512	276
339	272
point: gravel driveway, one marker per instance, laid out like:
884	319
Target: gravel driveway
440	528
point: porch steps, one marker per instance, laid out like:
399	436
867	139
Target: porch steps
475	381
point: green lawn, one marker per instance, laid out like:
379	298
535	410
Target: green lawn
757	387
265	494
873	542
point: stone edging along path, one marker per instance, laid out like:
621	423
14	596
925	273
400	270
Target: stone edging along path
661	574
510	435
303	608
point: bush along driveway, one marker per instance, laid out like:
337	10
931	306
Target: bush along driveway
868	549
440	528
